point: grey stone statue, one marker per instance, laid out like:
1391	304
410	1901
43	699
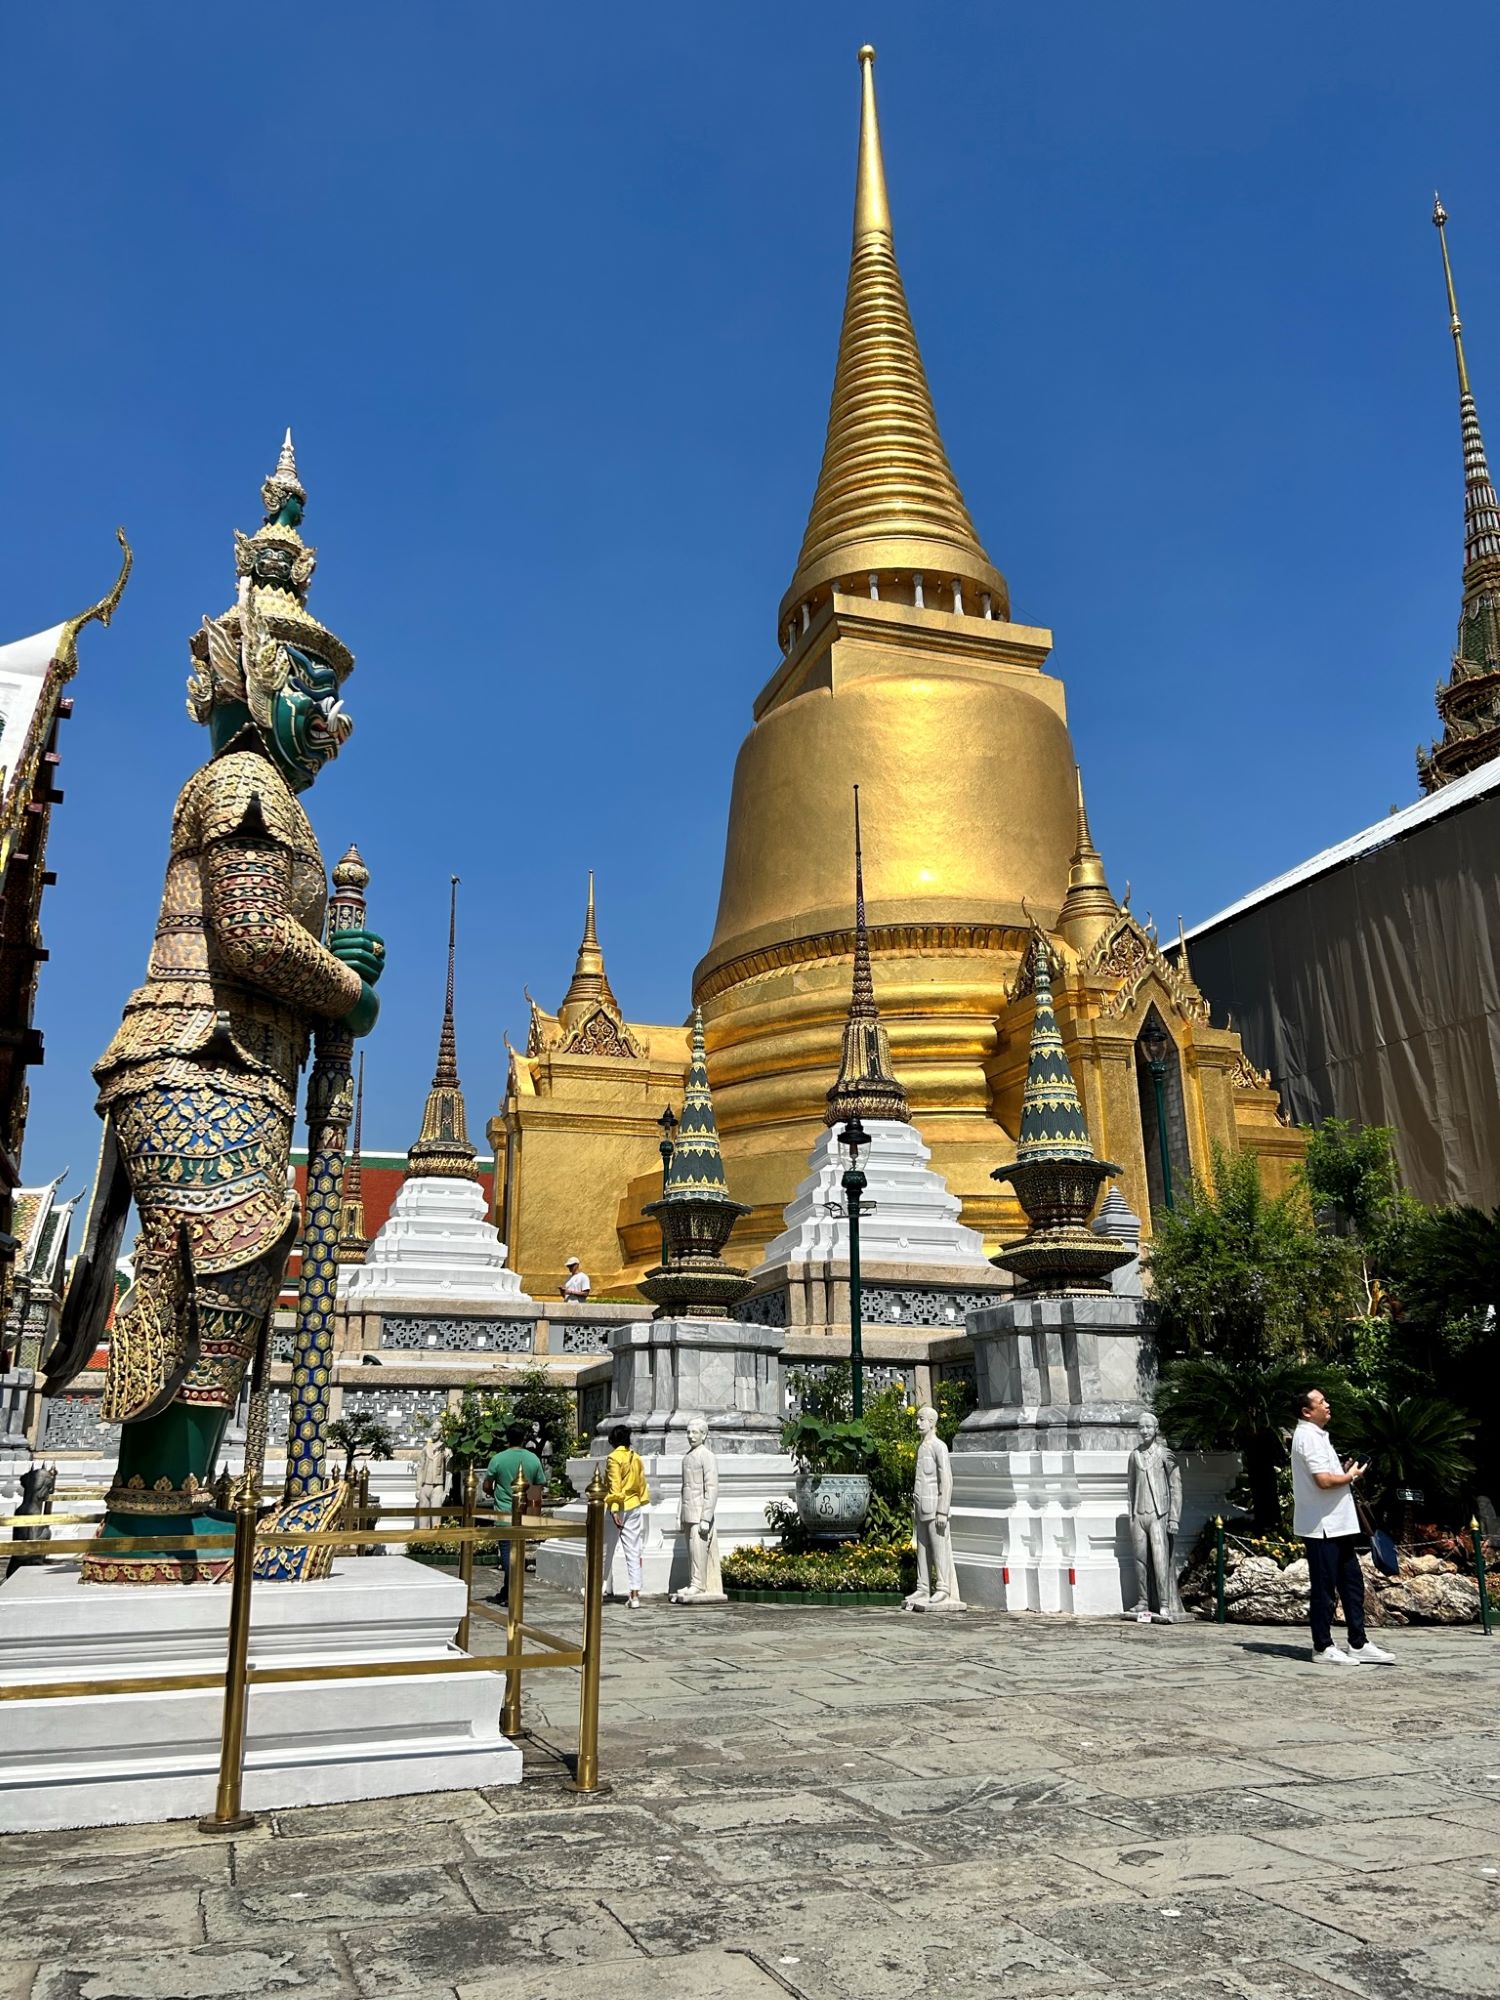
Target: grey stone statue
432	1477
1155	1512
699	1505
931	1505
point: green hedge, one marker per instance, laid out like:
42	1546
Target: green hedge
850	1569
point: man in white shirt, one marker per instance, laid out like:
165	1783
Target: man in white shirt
1324	1516
576	1285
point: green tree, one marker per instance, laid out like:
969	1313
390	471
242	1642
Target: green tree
1446	1311
1355	1186
360	1436
1414	1441
1251	1299
475	1431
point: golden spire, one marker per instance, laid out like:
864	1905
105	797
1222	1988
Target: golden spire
353	1243
867	1086
887	503
1455	324
1088	908
590	983
443	1144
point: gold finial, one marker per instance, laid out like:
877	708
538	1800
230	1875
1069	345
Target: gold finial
590	983
867	1086
1088	908
872	208
349	871
104	610
886	503
1455	324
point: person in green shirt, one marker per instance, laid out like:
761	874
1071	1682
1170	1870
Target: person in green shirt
500	1478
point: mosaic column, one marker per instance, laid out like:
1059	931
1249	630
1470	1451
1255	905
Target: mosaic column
330	1107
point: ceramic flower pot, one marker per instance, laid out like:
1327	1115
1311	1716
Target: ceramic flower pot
833	1503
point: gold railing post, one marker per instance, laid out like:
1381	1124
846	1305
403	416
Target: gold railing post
228	1815
466	1554
515	1600
586	1778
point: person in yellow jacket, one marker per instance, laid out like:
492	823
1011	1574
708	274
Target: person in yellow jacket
625	1500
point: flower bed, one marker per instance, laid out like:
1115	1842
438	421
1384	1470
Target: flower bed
865	1572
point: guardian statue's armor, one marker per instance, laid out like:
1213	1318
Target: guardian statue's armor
198	1089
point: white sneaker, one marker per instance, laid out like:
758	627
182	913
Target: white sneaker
1332	1657
1371	1655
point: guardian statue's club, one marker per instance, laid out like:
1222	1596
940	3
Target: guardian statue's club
198	1088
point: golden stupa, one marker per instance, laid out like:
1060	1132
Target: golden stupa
902	672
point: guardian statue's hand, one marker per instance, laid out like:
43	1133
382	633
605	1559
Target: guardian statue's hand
362	951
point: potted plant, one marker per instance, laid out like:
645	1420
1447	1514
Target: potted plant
834	1460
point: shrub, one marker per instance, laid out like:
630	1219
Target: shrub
850	1568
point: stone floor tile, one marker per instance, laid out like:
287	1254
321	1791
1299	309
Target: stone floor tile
212	1973
17	1979
546	1852
805	1853
721	1814
1399	1906
92	1874
1179	1866
920	1799
1376	1843
384	1815
316	1856
838	1944
1151	1778
377	1895
1179	1934
123	1922
1444	1969
552	1930
1199	1813
695	1975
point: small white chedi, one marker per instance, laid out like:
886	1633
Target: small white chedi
438	1241
908	1217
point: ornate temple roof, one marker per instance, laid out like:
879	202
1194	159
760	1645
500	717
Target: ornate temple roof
443	1148
696	1172
1469	701
1052	1121
886	498
867	1085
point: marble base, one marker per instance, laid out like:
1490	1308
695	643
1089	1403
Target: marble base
127	1759
1050	1530
748	1482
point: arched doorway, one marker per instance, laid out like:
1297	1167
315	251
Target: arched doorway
1163	1115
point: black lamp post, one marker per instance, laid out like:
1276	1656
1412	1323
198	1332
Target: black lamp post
853	1139
668	1146
1155	1048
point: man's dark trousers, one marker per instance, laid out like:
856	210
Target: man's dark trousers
1333	1565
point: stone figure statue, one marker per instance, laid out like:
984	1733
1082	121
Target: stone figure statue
700	1502
432	1477
38	1483
1155	1484
198	1089
931	1503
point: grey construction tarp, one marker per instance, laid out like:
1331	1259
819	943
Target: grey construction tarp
1370	991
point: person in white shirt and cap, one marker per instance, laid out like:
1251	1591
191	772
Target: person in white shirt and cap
576	1285
1324	1516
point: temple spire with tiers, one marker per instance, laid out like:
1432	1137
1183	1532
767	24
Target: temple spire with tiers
443	1147
867	1086
887	511
1088	908
1468	701
589	986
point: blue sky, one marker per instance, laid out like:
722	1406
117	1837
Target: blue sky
551	298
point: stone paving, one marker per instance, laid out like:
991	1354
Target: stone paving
855	1805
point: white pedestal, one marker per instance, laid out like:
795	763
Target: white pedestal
748	1482
437	1243
126	1759
1050	1530
913	1218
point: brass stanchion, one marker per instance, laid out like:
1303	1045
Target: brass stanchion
515	1599
228	1815
466	1554
586	1778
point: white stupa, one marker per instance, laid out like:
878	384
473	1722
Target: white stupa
438	1241
914	1218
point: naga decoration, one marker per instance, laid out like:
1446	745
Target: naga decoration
198	1087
